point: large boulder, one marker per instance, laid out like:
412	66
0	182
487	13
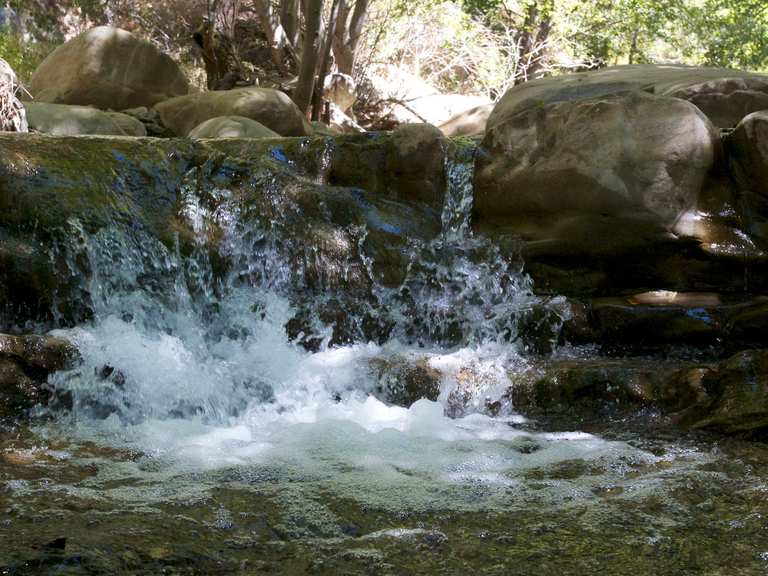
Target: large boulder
108	68
231	127
272	108
723	93
588	175
748	156
726	101
66	120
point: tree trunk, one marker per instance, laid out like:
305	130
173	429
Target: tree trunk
325	58
289	18
310	51
347	36
633	48
272	27
222	65
536	29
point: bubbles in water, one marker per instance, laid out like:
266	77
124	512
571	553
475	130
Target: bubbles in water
185	362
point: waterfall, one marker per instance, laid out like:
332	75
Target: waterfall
184	361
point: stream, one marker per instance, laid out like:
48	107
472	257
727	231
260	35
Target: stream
201	436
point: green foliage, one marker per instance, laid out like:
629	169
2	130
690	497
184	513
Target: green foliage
619	30
731	33
23	56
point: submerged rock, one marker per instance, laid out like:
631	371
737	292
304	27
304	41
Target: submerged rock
402	382
108	68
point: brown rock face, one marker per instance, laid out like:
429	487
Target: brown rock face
25	364
108	68
739	391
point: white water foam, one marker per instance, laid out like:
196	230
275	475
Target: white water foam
203	382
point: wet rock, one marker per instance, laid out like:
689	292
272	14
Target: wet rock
416	163
338	320
738	388
402	382
54	191
43	353
603	385
231	127
66	120
539	328
25	364
650	322
99	68
272	108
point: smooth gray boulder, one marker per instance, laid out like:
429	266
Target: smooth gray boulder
65	120
108	68
588	174
748	147
232	127
723	94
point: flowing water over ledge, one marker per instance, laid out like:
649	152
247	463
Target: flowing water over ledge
202	439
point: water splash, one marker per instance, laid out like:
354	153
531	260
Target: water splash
183	360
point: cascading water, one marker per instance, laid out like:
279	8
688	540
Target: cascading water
198	371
